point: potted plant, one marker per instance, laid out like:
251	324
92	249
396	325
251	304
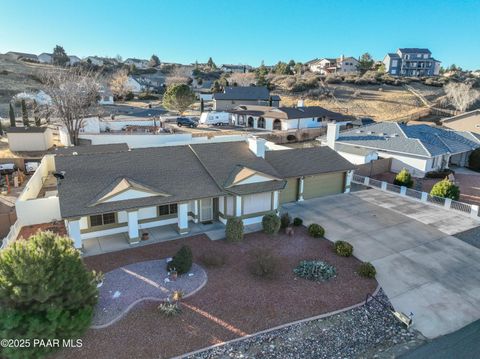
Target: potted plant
144	236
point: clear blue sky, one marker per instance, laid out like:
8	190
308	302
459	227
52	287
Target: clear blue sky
243	31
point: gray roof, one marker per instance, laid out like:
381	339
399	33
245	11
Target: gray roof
26	129
89	149
24	55
393	55
414	50
243	93
307	161
288	113
420	140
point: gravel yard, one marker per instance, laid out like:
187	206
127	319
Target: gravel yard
232	304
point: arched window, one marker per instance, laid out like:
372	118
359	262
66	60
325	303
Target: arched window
250	121
277	124
261	122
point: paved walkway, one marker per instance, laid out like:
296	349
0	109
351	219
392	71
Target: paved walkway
127	286
421	266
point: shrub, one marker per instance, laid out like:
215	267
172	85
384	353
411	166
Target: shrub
285	220
403	178
297	221
474	160
343	248
263	263
213	259
367	270
271	223
129	96
439	173
234	230
315	270
169	309
446	189
45	292
182	261
316	230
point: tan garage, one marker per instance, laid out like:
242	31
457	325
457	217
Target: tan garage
323	185
290	192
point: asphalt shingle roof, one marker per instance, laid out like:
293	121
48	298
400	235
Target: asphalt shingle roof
90	149
287	113
421	140
244	93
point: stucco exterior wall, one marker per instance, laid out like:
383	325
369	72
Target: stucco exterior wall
32	141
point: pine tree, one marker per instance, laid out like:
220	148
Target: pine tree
36	114
24	113
11	113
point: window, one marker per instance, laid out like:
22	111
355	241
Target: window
261	122
167	209
394	63
102	219
394	71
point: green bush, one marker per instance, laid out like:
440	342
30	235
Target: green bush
403	178
439	173
285	220
271	223
343	248
297	221
474	160
263	263
182	261
213	259
316	230
315	270
234	230
129	96
367	270
46	292
446	189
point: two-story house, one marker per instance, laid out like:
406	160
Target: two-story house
411	62
341	65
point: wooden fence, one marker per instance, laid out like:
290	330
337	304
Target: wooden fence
374	168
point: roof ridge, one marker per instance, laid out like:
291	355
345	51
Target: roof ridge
205	167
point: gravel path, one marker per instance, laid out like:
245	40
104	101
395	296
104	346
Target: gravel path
126	286
365	332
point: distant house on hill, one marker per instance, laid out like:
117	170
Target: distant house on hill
411	62
73	60
22	56
235	68
342	65
94	60
45	58
247	95
139	63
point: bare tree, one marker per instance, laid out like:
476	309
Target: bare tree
74	95
179	75
243	79
119	84
461	95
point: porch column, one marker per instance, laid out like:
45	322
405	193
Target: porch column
74	232
196	212
133	226
182	213
255	122
348	181
275	200
300	189
238	206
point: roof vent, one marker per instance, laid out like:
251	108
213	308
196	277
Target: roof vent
75	153
359	131
394	135
370	132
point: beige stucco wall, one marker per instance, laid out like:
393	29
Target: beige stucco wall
30	141
465	123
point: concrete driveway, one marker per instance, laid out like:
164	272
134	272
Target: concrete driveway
421	266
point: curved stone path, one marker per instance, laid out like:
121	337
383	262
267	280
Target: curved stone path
127	286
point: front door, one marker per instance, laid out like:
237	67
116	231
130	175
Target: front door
206	210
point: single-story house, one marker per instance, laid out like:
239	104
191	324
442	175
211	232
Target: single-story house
139	63
235	68
284	118
73	60
26	139
341	65
418	148
468	121
134	85
243	95
45	58
94	60
106	96
129	191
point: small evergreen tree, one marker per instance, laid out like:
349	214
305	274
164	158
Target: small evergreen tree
154	61
178	97
234	230
403	178
59	56
36	114
46	292
11	114
211	65
446	189
182	261
24	113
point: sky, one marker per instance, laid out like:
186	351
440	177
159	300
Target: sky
243	31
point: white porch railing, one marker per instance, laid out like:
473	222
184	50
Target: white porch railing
447	203
12	234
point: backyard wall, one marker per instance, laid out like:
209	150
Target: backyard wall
374	167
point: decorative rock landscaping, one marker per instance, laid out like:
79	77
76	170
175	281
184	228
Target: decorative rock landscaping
126	286
368	331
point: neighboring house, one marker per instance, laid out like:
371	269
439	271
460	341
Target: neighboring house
284	118
139	63
411	62
235	68
343	65
73	60
243	95
124	194
418	148
45	58
134	85
94	60
106	96
29	139
469	121
22	56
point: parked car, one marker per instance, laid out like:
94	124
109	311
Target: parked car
7	168
215	118
187	122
